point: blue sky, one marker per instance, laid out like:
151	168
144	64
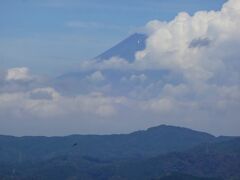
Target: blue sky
54	35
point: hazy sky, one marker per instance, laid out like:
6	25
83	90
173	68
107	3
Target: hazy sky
187	75
50	35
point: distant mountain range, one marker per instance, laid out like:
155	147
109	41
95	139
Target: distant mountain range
156	153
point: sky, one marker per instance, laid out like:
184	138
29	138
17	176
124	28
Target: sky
50	35
187	75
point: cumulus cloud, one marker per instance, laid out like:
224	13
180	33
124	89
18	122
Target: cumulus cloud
203	48
20	79
194	45
18	74
200	42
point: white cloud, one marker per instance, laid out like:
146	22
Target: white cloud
162	105
112	63
193	45
18	74
134	78
48	103
96	77
190	101
46	93
141	77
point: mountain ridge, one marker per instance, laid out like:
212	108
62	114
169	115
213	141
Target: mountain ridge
148	143
136	131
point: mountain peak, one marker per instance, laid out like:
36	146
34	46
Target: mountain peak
164	126
176	129
126	49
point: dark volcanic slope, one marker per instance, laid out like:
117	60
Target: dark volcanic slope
126	49
141	144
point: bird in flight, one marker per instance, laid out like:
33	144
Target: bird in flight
75	144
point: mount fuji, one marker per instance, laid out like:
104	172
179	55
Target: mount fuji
120	81
126	49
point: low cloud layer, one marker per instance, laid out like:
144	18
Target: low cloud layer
188	75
